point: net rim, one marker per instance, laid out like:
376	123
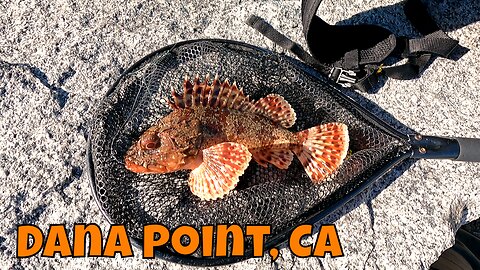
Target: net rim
166	254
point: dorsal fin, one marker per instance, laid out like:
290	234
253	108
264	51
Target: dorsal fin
216	94
226	95
277	109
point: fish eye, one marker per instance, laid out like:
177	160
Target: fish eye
150	145
150	142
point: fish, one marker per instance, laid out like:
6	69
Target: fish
215	130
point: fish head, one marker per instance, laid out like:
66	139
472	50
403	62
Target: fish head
156	151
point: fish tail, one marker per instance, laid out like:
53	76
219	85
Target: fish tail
322	149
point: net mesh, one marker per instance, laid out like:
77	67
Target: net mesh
281	198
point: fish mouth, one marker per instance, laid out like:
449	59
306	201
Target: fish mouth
136	168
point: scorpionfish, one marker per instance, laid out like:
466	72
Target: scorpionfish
215	130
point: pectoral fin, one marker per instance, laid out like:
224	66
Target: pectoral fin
220	170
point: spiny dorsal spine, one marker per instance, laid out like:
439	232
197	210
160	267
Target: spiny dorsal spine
216	94
226	95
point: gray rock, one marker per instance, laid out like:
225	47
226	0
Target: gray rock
58	58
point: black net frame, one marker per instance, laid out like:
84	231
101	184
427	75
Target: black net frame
281	198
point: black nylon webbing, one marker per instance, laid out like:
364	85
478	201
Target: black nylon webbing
409	70
268	31
345	46
437	42
353	54
434	40
421	50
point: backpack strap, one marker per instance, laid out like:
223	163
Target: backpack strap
354	55
420	51
278	38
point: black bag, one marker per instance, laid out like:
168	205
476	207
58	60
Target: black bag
356	55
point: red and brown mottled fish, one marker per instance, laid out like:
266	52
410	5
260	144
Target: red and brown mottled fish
215	130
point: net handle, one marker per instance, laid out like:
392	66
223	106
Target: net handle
469	149
431	147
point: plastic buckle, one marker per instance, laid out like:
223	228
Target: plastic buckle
344	77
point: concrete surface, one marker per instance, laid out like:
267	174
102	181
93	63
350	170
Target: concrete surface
58	58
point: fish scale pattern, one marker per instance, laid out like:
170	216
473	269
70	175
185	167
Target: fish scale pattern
281	198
